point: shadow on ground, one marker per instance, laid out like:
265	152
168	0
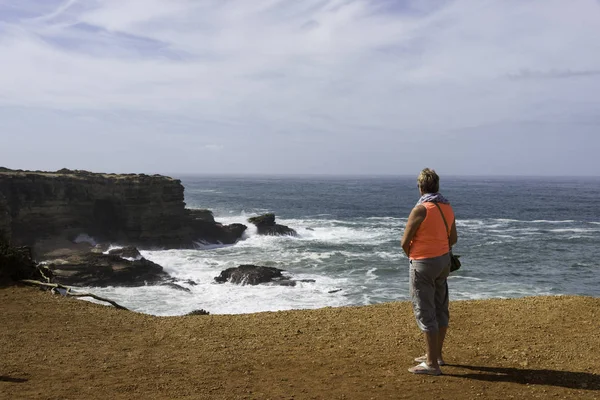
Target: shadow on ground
572	380
12	380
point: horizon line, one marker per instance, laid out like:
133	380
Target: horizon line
311	174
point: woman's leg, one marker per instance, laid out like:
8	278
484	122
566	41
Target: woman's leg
442	302
422	290
441	336
433	354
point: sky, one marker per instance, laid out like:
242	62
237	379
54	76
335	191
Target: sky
468	87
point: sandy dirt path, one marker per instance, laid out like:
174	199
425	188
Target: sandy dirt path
52	347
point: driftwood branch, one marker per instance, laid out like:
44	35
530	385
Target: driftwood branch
41	269
69	292
93	296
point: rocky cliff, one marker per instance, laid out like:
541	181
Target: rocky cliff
142	210
5	220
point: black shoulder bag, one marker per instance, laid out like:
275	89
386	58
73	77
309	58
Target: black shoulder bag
454	259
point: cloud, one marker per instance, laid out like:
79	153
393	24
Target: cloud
552	74
346	75
213	147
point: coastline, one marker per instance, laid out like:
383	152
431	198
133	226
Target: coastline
57	347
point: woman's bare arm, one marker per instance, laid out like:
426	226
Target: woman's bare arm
453	234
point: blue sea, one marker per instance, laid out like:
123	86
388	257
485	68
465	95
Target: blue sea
517	237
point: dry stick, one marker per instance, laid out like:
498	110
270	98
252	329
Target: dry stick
70	293
40	268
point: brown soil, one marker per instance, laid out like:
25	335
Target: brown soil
52	347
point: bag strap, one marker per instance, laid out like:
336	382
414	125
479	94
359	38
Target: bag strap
445	223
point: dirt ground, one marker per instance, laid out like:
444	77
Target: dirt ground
53	347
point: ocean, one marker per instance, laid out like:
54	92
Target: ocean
516	237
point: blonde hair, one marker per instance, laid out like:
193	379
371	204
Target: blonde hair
429	181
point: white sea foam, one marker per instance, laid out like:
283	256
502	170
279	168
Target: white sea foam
455	277
387	219
537	221
507	220
318	230
505	236
359	260
492	242
203	266
488	290
526	231
575	230
228	298
370	274
504	222
544	221
391	256
206	191
343	235
468	223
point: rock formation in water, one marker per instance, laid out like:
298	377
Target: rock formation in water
249	275
131	209
254	275
266	225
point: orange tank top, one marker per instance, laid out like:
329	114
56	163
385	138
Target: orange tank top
431	239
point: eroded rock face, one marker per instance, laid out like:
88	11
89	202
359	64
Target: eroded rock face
266	225
139	210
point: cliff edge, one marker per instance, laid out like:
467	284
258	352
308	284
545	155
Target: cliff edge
128	209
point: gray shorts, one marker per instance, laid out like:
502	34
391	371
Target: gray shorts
429	292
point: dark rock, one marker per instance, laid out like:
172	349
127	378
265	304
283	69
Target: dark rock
51	249
126	252
93	269
335	291
263	220
176	286
5	220
198	312
129	209
254	275
265	225
290	282
190	282
249	275
16	263
277	230
284	282
201	215
215	233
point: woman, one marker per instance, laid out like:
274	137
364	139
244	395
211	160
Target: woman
426	242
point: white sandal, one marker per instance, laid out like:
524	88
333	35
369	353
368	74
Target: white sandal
424	359
425	369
